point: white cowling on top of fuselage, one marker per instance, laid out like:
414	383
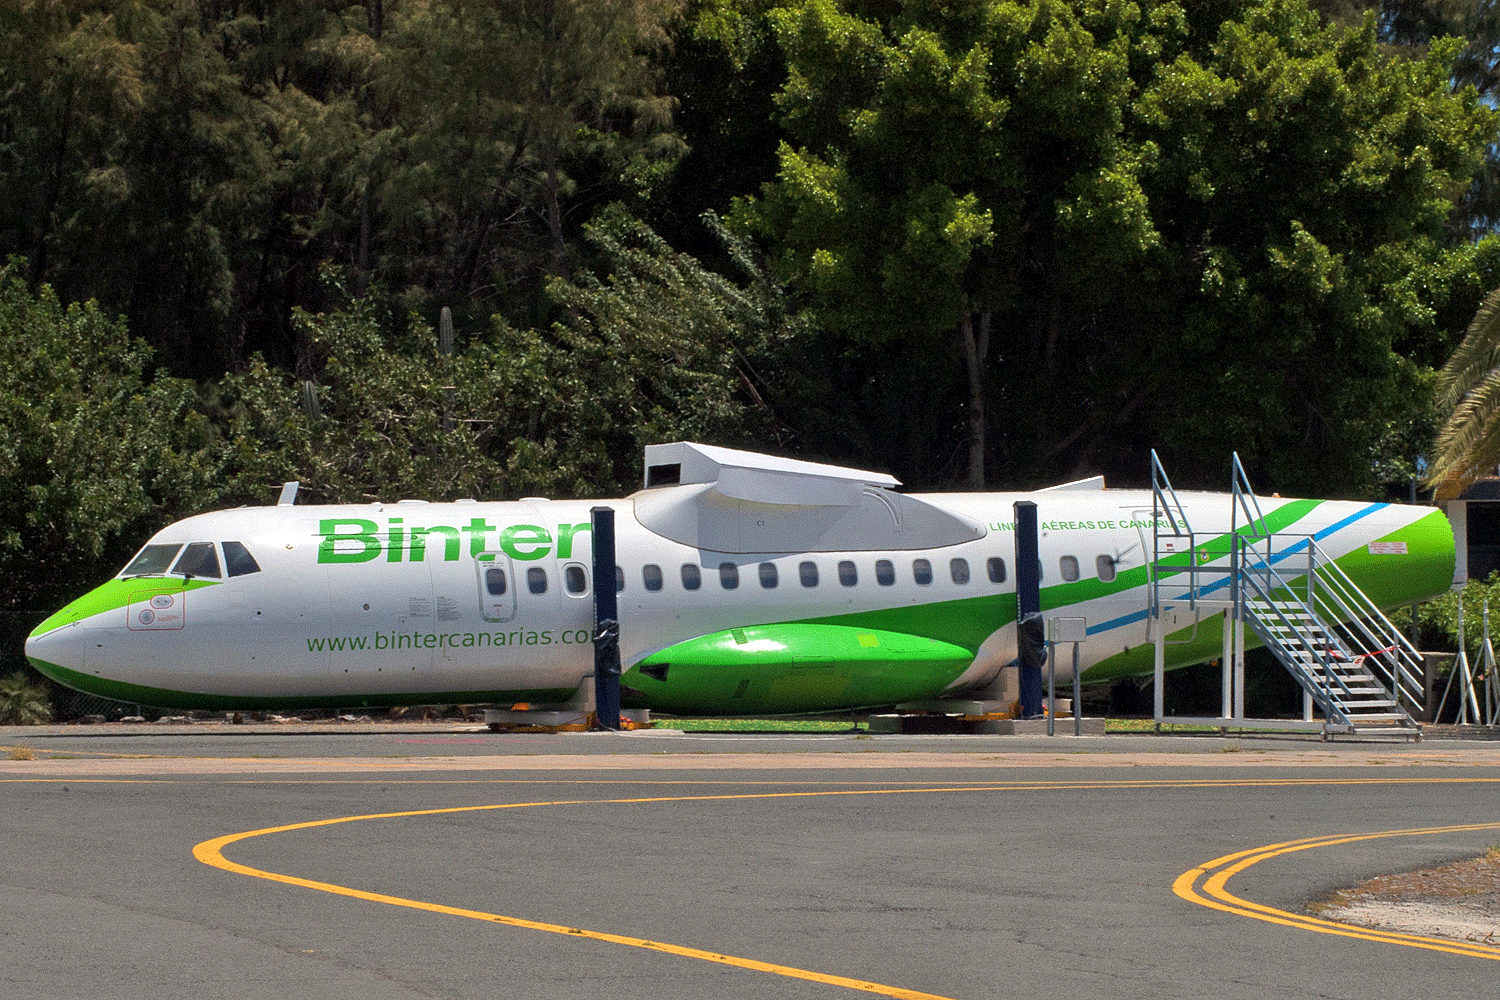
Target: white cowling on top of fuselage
737	502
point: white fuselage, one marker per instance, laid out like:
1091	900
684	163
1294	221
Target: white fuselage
402	602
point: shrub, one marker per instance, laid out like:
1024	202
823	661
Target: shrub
22	702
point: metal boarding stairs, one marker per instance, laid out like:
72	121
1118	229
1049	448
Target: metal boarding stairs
1350	661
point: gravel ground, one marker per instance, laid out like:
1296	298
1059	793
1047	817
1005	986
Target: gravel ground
1460	901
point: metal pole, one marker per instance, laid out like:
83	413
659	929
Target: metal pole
1159	674
1052	691
1488	660
1473	698
1226	667
1466	689
1235	619
1460	662
606	621
1077	696
1312	577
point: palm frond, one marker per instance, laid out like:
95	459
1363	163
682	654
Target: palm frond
1468	446
1477	355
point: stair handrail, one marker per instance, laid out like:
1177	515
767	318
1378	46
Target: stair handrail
1164	503
1383	644
1242	501
1333	705
1245	502
1356	628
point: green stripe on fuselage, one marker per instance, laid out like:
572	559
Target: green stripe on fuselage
1426	572
967	622
118	593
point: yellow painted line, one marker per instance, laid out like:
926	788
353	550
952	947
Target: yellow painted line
1215	876
210	852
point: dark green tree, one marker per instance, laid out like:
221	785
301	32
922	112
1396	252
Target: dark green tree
660	348
186	164
1198	227
655	348
1411	27
96	452
512	121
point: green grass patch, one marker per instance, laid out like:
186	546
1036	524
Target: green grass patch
755	725
1147	726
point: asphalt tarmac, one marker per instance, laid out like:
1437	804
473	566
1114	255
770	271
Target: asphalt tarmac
440	861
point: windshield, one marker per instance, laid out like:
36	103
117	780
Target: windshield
238	560
199	559
152	560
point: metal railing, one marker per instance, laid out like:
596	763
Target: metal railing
1342	650
1318	615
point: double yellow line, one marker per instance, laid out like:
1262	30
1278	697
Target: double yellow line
1206	886
210	852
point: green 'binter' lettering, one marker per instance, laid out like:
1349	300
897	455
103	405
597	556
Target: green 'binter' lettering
335	547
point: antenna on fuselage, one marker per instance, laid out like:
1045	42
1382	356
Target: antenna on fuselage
288	494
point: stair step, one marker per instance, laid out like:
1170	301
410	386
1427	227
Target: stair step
1328	661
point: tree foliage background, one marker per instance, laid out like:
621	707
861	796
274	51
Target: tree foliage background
975	243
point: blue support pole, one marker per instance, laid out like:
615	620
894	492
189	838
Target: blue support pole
1031	639
606	621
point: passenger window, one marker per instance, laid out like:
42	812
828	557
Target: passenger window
921	571
198	559
575	580
807	572
768	576
152	560
1068	566
729	575
885	572
958	571
238	561
996	569
651	576
494	581
691	578
536	580
1105	567
848	574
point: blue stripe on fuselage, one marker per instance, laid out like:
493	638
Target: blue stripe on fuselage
1138	616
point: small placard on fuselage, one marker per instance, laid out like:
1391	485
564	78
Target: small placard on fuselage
1067	629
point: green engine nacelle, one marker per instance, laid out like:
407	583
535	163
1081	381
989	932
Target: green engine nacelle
793	668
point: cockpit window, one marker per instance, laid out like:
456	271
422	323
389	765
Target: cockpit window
198	559
238	560
153	560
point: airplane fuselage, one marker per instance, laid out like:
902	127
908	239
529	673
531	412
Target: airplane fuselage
414	603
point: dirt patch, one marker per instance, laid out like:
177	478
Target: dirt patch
1459	901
